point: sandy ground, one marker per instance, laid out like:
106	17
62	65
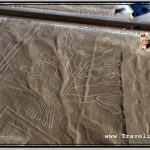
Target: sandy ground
136	82
71	84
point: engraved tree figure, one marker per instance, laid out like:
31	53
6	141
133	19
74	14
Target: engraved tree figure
87	70
98	69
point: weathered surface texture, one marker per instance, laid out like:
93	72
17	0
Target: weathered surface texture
136	75
65	84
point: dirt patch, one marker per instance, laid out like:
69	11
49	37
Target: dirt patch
72	84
